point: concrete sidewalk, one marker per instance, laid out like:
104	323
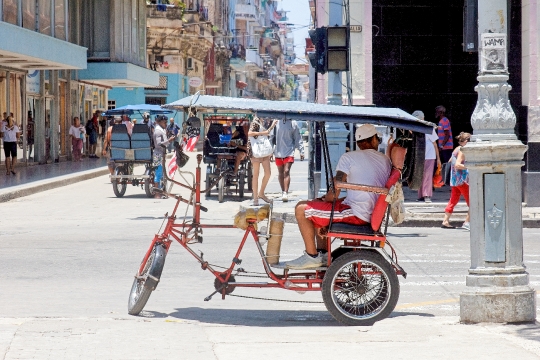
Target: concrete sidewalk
36	178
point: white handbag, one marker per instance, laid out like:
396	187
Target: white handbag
261	146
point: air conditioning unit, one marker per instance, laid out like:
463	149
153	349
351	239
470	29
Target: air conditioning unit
190	63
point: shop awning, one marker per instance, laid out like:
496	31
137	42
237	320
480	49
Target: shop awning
23	49
115	74
305	111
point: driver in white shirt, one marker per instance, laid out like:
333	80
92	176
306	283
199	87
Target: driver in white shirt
366	166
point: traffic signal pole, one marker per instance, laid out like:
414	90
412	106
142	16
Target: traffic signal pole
335	132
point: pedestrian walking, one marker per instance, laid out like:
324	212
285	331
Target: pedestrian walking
92	130
444	131
459	182
107	145
10	134
257	129
160	138
425	192
30	134
172	130
77	132
287	135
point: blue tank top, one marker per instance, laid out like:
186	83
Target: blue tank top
457	177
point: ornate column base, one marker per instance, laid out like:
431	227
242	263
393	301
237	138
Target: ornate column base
497	284
507	299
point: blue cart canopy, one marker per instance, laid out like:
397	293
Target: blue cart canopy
298	110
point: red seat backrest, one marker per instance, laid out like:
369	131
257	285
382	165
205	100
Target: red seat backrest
397	156
380	206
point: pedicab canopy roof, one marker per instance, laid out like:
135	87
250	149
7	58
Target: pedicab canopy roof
298	110
132	109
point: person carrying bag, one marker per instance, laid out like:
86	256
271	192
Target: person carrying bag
259	134
260	145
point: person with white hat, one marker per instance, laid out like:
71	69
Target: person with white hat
366	166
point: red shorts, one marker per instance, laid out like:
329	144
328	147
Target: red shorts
282	161
319	211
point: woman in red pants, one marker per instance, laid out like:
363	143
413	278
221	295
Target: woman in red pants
459	182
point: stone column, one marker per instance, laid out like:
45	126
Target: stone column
497	284
39	123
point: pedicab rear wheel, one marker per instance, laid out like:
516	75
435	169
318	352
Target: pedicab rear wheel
221	189
241	183
145	282
360	288
149	184
119	185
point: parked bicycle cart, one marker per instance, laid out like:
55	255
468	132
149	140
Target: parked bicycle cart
359	282
220	156
131	149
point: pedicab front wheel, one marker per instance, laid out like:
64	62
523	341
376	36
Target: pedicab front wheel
146	279
360	288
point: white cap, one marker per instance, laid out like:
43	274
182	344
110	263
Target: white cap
418	114
365	131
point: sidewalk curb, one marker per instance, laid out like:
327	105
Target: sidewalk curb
15	192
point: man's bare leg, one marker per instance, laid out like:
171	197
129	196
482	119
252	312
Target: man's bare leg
307	229
280	177
286	176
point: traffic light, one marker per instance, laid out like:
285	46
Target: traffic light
318	58
337	48
331	49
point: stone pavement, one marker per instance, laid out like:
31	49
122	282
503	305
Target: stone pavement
36	178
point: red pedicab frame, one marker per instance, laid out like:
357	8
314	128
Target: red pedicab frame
359	283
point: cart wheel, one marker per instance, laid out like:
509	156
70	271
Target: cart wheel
249	177
208	181
149	188
142	287
360	288
221	189
149	184
119	186
241	184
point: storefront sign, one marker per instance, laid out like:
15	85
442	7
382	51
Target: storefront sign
32	81
195	81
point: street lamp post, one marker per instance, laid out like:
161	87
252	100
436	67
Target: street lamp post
497	284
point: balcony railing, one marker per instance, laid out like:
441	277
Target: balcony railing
252	56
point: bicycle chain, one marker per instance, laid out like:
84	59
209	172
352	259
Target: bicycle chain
281	300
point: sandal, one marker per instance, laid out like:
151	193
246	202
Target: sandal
265	199
13	172
447	226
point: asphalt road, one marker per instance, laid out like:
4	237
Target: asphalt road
69	256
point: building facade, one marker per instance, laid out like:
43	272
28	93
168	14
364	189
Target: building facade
91	47
411	55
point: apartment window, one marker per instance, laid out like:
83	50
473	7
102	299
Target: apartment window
111	104
60	19
44	13
155	100
29	14
9	11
